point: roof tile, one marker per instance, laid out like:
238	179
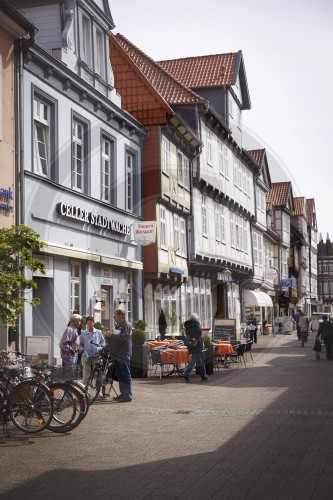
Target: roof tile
278	195
203	71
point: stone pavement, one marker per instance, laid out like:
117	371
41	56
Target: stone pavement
260	432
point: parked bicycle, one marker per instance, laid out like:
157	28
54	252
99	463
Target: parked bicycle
71	402
27	403
102	375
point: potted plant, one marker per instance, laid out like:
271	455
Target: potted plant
139	359
162	324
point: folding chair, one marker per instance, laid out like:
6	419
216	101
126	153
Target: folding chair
239	354
156	360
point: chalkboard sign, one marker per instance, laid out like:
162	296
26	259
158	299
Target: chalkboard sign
224	329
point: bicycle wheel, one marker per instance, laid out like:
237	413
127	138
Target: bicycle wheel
80	387
94	384
68	407
30	406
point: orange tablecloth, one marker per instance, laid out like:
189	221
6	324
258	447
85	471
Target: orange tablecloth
155	343
179	356
223	349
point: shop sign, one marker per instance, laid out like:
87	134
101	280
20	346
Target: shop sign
6	199
48	266
144	232
81	215
271	273
286	283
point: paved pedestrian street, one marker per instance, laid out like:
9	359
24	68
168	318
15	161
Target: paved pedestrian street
260	432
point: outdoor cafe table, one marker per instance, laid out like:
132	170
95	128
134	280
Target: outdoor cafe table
160	343
223	349
178	356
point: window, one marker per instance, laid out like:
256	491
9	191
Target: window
106	169
284	260
41	137
100	62
221	158
186	172
232	230
78	147
204	215
226	161
180	168
165	155
163	233
235	172
222	223
176	233
255	249
217	222
75	287
209	147
260	249
129	181
237	231
86	45
245	236
182	228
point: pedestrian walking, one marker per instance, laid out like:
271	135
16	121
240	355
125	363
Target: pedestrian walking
121	346
90	352
194	345
69	344
326	332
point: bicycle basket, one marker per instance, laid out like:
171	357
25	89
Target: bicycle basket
20	393
66	373
12	371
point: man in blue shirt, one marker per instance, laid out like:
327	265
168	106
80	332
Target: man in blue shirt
90	352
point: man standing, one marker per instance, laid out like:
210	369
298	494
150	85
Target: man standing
69	344
252	327
121	346
326	332
90	352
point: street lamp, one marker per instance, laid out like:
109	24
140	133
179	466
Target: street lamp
123	297
225	275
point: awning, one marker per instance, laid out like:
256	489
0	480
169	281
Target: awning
256	298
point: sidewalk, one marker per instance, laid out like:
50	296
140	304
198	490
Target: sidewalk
260	432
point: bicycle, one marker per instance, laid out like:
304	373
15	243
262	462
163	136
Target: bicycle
27	403
102	375
71	402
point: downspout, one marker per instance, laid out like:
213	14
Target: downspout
21	45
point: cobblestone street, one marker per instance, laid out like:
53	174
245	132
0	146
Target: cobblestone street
260	432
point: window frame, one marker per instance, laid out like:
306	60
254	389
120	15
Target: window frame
85	148
163	228
204	220
165	155
52	139
109	159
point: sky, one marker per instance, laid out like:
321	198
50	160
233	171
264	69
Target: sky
287	48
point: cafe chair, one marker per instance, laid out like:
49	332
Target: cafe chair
248	347
156	360
217	358
239	354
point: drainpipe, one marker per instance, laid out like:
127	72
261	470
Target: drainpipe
21	45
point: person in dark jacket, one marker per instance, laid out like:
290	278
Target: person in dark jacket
121	346
326	332
253	328
194	345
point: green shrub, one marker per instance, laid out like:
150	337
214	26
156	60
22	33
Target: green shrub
138	336
140	324
206	339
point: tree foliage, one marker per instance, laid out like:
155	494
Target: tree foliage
16	246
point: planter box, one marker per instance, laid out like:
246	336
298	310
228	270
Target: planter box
139	361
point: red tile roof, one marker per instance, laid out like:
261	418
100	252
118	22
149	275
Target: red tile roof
299	205
170	90
278	195
203	71
258	155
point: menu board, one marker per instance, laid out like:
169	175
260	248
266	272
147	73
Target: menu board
224	329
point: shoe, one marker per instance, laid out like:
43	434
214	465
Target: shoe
204	379
187	380
116	397
124	399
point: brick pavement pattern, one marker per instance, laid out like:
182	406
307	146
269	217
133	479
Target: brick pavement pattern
260	432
